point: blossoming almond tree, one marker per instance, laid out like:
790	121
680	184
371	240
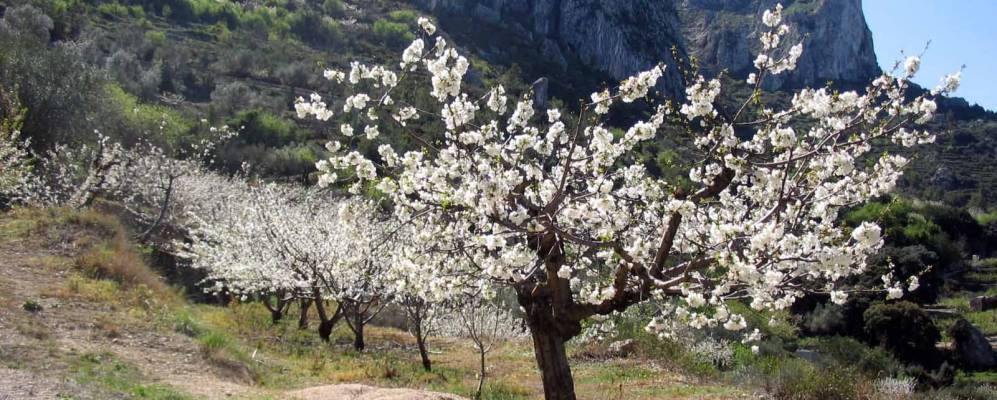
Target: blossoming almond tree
549	204
286	242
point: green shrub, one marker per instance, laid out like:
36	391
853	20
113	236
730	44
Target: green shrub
115	10
213	342
393	33
31	306
334	8
904	329
796	379
840	351
403	16
156	38
314	29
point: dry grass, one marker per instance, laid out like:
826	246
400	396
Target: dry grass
117	260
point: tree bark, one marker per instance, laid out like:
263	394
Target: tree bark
163	209
358	342
423	351
303	318
481	374
276	311
326	323
554	368
550	331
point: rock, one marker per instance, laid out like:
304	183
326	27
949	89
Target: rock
624	37
540	88
971	348
983	303
622	348
808	355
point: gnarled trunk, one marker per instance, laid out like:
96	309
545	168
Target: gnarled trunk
358	325
549	325
326	322
552	360
303	318
276	310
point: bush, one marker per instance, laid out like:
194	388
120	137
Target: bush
315	29
393	33
845	352
796	379
156	38
27	22
261	127
114	10
31	306
334	8
61	92
403	16
904	329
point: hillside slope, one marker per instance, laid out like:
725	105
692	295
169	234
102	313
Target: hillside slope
82	316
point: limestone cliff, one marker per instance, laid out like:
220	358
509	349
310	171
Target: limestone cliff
621	37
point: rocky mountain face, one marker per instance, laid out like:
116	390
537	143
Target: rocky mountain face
621	37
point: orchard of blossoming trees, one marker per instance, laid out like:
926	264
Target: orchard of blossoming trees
549	202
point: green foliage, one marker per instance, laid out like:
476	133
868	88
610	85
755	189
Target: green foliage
119	379
156	38
31	306
161	125
334	8
797	379
904	329
314	29
213	341
261	127
60	92
404	16
393	33
113	9
846	352
987	218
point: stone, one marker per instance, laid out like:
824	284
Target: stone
983	303
622	348
540	94
971	348
806	354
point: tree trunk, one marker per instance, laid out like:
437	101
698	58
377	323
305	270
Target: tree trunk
276	311
423	351
303	318
358	343
325	329
550	331
552	360
481	374
326	323
163	209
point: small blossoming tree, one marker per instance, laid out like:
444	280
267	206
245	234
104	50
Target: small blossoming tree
550	203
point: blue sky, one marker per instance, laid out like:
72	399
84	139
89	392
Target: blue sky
961	32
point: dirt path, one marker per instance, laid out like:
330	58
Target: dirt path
36	343
362	392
